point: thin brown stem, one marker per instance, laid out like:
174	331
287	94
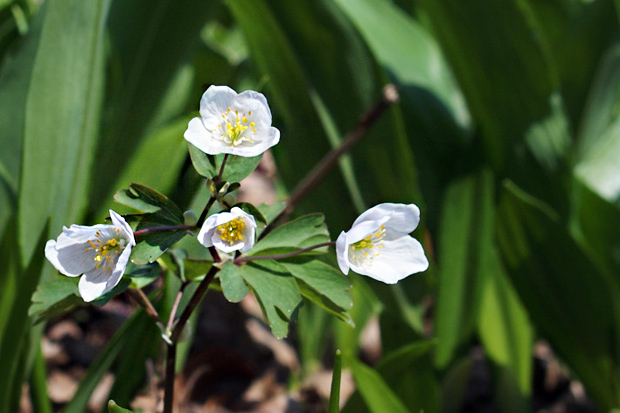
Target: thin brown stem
193	303
219	176
242	260
205	211
138	295
330	160
175	306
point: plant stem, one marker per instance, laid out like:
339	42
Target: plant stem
171	357
205	211
330	160
138	295
164	228
175	306
334	395
219	176
193	303
178	329
281	256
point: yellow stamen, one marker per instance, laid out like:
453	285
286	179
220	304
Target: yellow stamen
232	231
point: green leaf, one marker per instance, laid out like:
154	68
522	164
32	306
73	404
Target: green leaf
151	78
271	212
484	65
142	275
236	168
276	292
148	200
159	212
55	297
504	327
252	210
233	286
18	284
165	146
376	393
466	238
62	115
115	408
297	234
549	271
323	278
323	285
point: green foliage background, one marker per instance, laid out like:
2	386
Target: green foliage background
507	135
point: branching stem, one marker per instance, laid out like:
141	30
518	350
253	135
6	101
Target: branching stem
330	160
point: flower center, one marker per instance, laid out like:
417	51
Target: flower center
233	131
365	250
232	231
106	252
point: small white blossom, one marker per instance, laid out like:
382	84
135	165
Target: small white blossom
238	124
99	253
378	244
229	231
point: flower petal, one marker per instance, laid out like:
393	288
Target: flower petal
120	222
399	258
72	260
342	251
97	282
214	102
197	135
403	218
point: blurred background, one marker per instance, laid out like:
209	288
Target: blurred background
506	134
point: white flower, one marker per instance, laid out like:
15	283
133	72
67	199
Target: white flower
100	253
238	124
229	231
378	244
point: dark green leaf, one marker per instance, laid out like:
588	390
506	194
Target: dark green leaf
504	327
148	200
376	393
233	286
466	238
323	278
522	72
549	271
142	275
252	210
55	297
300	233
62	115
276	291
236	168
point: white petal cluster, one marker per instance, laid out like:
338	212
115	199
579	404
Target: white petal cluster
99	254
229	231
378	244
237	124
